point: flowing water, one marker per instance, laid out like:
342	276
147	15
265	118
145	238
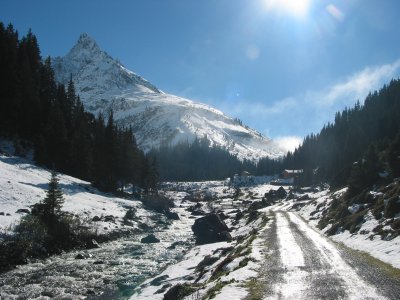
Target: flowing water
113	271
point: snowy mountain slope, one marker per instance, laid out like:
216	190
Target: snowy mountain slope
156	117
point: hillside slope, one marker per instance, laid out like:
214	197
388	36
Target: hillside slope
23	184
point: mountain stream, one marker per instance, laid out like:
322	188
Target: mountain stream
113	271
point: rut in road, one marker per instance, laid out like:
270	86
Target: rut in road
302	264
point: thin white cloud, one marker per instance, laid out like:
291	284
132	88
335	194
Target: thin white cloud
288	143
357	86
309	112
281	106
260	109
353	88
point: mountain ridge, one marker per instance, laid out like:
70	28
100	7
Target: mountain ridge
157	118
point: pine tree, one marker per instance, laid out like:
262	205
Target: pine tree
153	175
49	209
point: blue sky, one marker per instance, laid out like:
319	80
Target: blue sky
283	67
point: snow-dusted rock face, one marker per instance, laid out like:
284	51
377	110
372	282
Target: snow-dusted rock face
157	118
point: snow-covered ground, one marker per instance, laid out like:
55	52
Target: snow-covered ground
234	277
387	251
23	184
242	267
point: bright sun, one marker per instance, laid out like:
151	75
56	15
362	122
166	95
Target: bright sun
298	8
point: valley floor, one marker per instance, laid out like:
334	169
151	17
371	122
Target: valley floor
276	252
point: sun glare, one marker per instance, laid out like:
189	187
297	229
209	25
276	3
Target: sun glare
298	8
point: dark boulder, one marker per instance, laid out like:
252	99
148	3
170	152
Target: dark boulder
23	211
150	239
304	197
178	291
109	218
210	229
172	215
281	193
96	219
144	226
260	204
80	256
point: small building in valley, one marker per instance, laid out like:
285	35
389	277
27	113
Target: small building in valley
287	174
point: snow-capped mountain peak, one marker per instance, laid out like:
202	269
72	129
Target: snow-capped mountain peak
96	71
103	83
86	49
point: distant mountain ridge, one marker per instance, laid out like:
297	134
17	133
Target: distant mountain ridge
157	118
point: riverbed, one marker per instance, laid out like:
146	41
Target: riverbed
113	271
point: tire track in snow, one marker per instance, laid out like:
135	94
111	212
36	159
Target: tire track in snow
324	281
356	287
294	284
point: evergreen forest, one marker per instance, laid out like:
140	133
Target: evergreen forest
50	117
361	143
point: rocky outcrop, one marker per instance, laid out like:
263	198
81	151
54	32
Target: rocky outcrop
281	193
210	229
172	215
150	239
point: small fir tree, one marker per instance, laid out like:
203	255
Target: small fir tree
50	207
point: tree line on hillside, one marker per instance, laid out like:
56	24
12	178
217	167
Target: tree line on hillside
49	115
361	142
198	160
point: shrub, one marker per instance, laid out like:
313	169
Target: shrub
31	235
130	214
392	207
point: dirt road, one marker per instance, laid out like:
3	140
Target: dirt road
303	264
